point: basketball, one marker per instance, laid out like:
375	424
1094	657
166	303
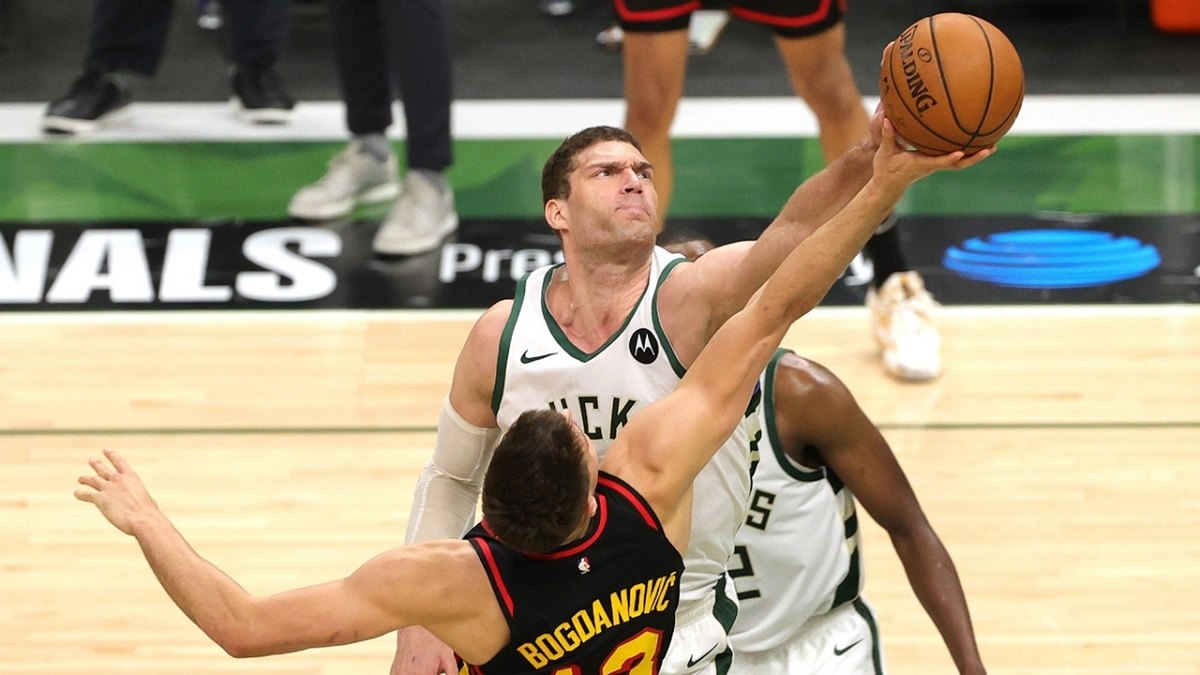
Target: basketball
952	82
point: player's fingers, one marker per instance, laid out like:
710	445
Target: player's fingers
94	482
972	160
100	468
118	461
889	131
85	496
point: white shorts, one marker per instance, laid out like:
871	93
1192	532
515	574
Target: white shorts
844	641
700	643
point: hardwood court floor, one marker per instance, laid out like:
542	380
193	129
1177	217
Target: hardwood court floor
1056	458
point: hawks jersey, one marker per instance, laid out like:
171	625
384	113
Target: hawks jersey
797	554
598	605
538	367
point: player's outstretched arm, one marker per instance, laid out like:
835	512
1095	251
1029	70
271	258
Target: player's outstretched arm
335	613
663	449
394	589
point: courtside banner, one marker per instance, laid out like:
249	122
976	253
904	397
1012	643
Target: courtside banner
972	260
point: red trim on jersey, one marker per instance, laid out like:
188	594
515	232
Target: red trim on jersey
494	574
634	498
601	521
647	15
784	21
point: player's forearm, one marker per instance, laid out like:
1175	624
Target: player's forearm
808	272
449	485
936	584
443	507
817	199
209	597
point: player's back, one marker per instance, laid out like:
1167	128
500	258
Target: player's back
605	600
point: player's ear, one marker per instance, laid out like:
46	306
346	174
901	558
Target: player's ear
557	215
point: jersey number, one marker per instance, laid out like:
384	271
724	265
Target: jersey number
760	509
636	656
744	569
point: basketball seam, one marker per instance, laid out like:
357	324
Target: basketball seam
949	100
972	140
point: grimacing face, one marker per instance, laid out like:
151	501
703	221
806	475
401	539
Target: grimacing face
612	190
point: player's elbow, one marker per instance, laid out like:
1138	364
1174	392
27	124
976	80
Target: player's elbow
239	650
235	644
240	640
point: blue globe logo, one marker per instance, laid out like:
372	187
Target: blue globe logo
1052	258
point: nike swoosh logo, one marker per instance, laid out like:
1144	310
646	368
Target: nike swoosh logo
838	651
526	358
692	662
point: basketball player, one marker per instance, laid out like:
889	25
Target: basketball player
810	36
797	564
573	549
603	335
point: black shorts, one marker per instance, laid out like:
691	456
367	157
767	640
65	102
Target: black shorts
789	18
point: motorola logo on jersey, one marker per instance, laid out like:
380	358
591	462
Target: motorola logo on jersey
643	346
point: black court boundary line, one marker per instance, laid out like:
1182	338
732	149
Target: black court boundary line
285	431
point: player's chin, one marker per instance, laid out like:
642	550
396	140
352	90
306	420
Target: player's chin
636	213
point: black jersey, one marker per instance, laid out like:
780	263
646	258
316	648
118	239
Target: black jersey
596	606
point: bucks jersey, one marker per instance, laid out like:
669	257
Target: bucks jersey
594	606
538	367
797	554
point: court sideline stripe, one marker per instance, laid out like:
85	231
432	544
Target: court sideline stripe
729	117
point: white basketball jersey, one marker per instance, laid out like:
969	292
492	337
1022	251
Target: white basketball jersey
538	367
797	554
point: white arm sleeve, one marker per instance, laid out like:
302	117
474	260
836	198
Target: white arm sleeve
449	486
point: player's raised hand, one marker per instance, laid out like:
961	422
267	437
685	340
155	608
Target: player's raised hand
897	166
117	491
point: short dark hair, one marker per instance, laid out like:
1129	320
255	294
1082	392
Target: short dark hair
556	172
535	492
688	242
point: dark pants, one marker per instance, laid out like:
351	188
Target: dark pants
131	35
397	48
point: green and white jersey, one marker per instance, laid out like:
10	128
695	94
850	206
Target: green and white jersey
798	553
538	367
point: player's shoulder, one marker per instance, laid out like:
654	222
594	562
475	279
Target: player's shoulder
491	323
806	382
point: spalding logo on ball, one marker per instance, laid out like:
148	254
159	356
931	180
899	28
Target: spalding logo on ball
952	82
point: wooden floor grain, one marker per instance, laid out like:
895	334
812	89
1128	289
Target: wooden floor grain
1058	458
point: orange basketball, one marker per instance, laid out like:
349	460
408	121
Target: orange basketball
952	82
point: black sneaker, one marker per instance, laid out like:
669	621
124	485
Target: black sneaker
259	96
96	98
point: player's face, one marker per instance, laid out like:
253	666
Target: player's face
612	193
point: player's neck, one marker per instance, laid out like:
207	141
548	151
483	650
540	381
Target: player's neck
591	304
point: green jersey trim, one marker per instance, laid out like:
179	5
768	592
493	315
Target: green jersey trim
662	334
561	337
505	344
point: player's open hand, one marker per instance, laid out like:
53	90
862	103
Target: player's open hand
117	491
898	165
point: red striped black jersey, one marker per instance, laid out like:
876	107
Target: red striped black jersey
597	606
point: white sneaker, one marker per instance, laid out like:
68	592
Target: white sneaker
902	322
421	218
354	177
